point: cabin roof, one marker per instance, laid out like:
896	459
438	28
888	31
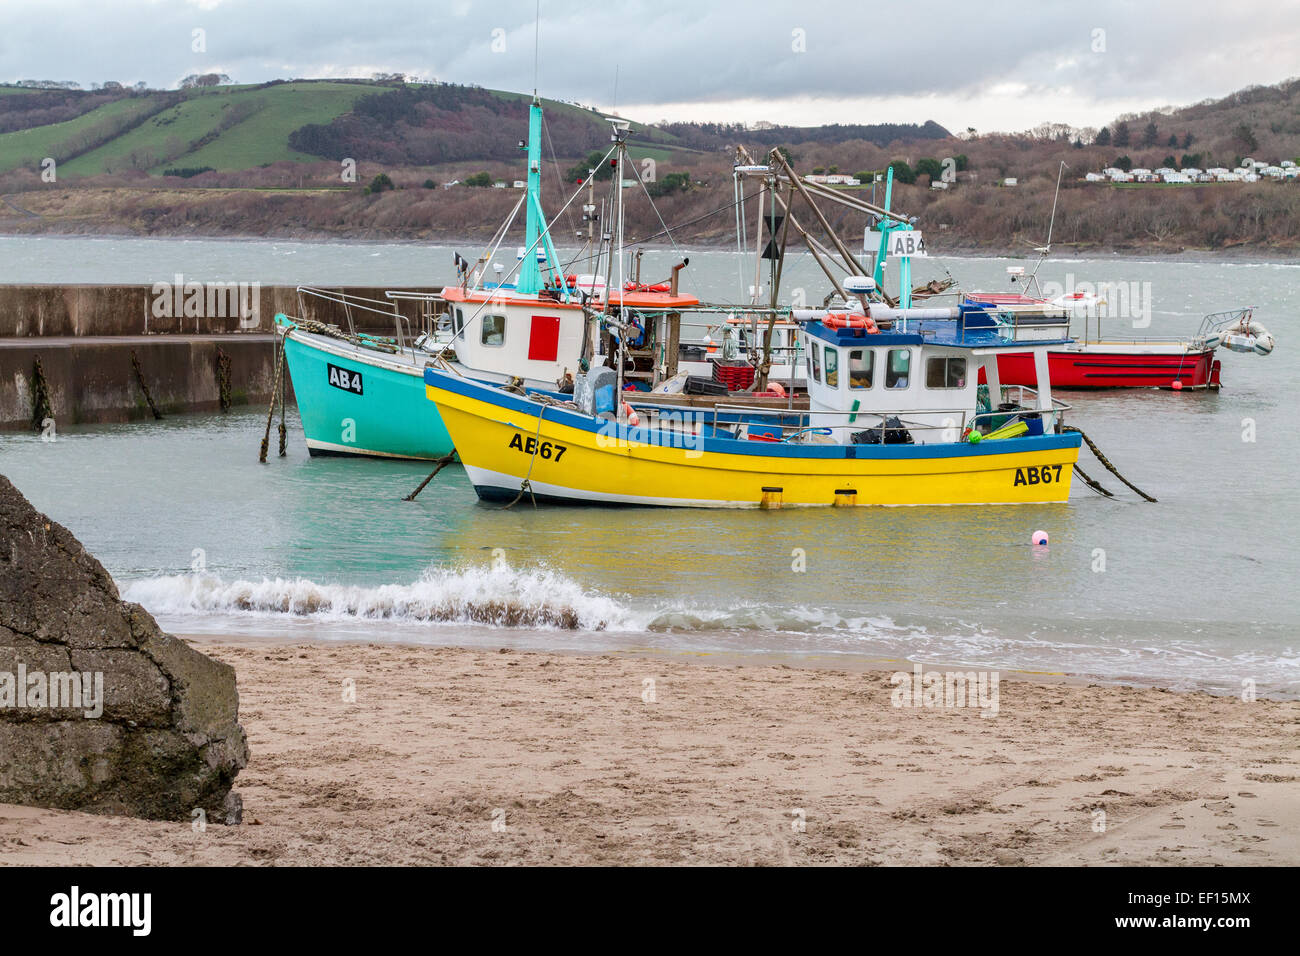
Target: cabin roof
975	330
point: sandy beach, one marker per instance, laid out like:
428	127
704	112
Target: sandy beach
453	756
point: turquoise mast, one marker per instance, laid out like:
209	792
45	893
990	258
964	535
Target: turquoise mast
536	232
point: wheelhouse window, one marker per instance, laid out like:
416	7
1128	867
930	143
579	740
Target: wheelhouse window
898	367
815	357
861	365
832	367
945	373
458	323
494	330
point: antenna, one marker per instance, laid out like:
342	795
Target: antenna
1052	223
1032	281
614	109
537	27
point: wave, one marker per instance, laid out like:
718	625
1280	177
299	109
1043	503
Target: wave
496	596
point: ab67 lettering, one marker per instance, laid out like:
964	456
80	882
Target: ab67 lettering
1038	475
546	449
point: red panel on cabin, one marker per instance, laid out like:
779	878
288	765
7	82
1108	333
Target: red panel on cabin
544	339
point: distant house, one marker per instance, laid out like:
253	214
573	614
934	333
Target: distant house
1175	177
1095	178
1250	178
1143	175
1291	172
1273	172
499	184
938	184
1119	176
454	182
1227	177
1288	164
1191	172
1011	181
520	184
832	179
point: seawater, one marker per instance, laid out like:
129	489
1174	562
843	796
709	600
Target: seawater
1194	591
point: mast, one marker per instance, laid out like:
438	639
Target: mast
530	274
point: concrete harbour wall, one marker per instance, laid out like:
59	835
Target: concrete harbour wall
85	335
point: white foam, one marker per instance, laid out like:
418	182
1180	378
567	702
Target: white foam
497	596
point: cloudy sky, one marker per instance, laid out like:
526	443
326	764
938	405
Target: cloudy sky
988	64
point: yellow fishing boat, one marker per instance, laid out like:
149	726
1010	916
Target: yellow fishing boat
896	417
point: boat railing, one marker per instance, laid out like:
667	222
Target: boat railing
1217	321
954	418
387	308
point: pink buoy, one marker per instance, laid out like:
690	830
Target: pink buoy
1178	386
1040	538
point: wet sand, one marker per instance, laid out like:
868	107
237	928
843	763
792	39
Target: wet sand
454	756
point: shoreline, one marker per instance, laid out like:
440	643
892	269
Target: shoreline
499	757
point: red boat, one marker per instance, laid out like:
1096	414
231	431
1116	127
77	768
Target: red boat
1126	363
1118	365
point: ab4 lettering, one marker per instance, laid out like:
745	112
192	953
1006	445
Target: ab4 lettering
1036	475
343	378
546	449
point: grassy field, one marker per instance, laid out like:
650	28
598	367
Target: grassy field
258	119
262	137
29	146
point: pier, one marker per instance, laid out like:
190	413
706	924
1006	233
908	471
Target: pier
102	353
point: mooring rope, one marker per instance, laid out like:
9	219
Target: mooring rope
223	379
139	377
443	462
41	407
284	432
1092	482
1105	461
275	389
527	483
377	343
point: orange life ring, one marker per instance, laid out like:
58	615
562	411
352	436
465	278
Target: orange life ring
850	320
633	419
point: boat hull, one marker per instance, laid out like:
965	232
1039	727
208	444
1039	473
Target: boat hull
569	458
353	406
1100	367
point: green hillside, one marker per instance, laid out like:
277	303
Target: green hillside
29	146
228	128
259	120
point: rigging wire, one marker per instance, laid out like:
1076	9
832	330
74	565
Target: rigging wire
691	222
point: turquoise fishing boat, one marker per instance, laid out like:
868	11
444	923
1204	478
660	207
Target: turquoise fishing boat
362	394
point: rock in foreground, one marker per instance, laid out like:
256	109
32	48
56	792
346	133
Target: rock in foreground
99	710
